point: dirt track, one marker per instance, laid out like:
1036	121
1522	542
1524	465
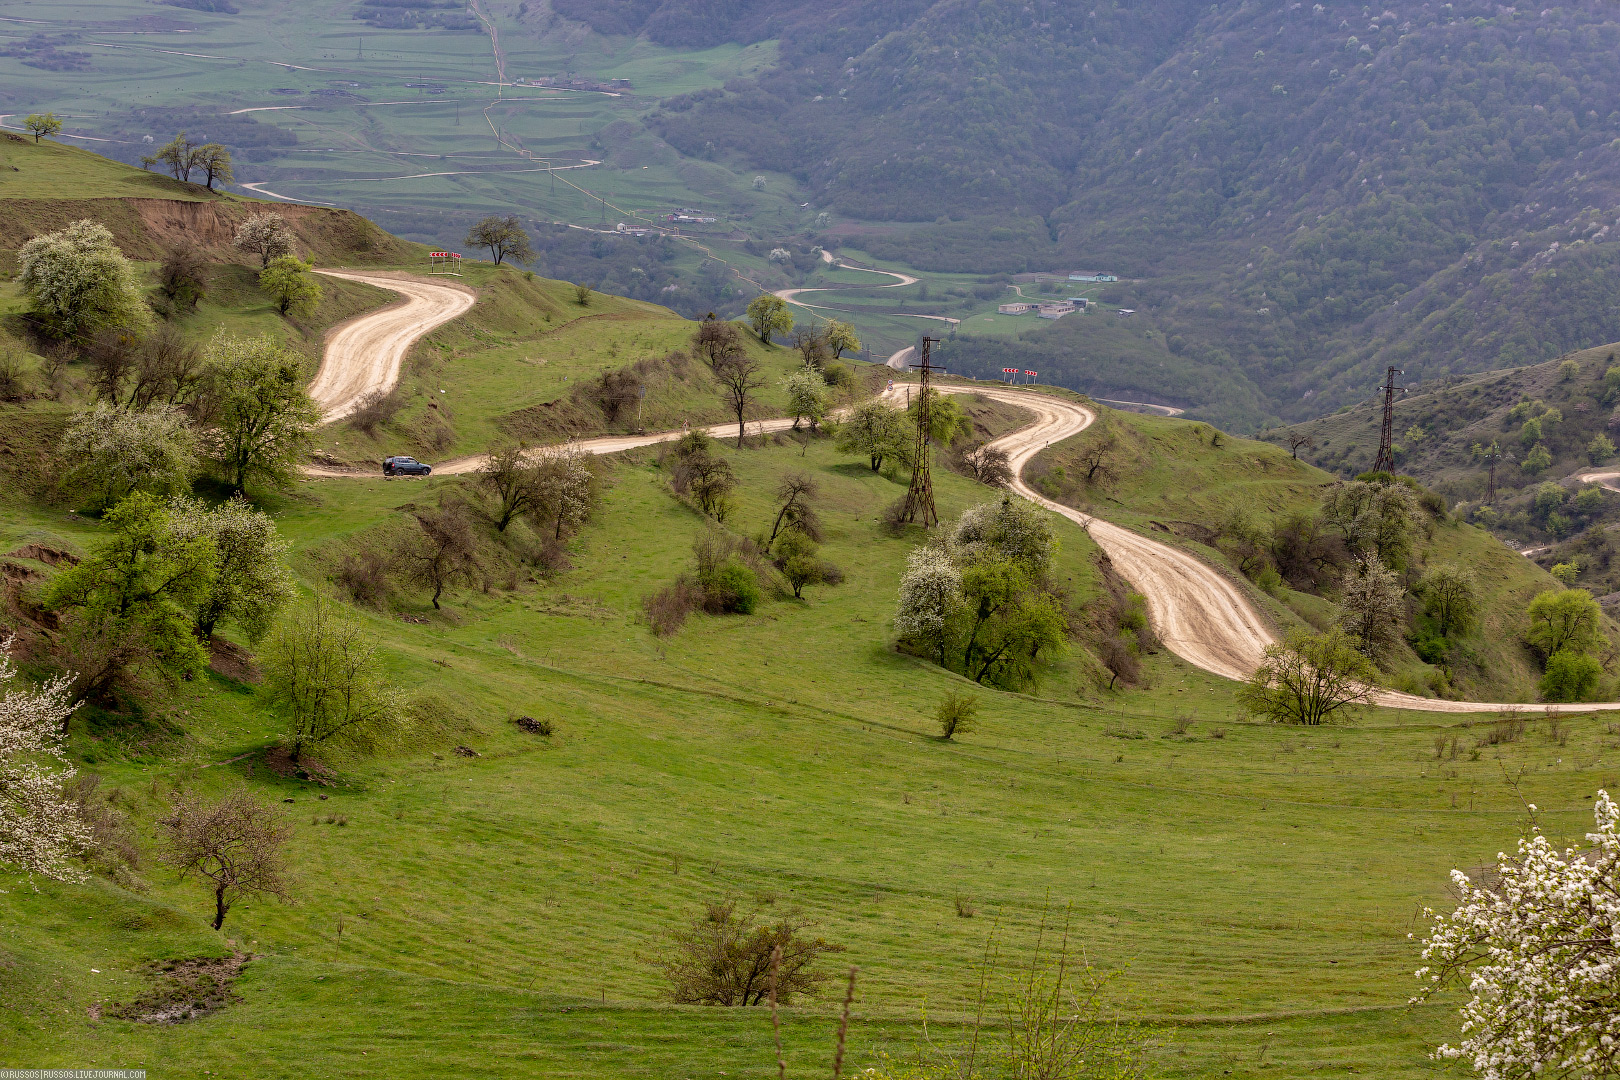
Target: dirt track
365	353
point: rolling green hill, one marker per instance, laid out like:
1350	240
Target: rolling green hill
484	899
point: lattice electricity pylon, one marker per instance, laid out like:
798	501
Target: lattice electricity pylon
920	496
1386	440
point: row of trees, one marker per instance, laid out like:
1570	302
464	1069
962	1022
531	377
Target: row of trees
182	158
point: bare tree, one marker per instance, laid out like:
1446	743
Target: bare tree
722	957
1299	440
733	367
505	238
812	346
512	476
235	843
987	465
443	552
564	484
706	478
1096	460
795	492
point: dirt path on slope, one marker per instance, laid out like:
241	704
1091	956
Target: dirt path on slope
365	353
1200	615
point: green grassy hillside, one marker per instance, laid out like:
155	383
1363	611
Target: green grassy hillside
484	900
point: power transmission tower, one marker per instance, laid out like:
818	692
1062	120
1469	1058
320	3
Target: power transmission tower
1386	441
1494	454
920	496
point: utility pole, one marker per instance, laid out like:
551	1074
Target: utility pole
1386	440
920	496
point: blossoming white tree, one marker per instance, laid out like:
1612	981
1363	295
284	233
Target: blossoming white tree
40	828
1537	949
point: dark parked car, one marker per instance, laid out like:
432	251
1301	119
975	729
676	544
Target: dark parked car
404	466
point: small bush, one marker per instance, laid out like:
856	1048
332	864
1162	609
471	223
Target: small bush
668	608
377	409
535	727
731	587
955	714
363	575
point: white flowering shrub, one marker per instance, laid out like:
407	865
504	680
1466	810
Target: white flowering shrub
40	827
80	282
266	235
1537	951
930	591
1012	527
109	451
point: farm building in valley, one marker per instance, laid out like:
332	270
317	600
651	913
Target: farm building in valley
1093	275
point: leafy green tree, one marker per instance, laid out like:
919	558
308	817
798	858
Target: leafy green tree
1307	678
796	494
796	557
1571	676
1565	619
947	420
131	603
1450	597
266	235
1538	460
1009	621
768	314
840	338
1589	500
109	451
324	681
1565	573
1600	449
1530	432
876	429
259	415
251	582
505	239
807	397
215	162
288	281
176	155
42	124
955	714
79	282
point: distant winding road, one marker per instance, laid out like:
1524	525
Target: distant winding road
1201	615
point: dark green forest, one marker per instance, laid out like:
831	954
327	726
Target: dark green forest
1302	193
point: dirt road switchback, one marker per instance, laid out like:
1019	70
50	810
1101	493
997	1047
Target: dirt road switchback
365	353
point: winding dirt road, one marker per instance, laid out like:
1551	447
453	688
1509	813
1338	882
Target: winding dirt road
365	354
1201	615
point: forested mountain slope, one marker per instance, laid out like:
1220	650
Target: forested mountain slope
1304	191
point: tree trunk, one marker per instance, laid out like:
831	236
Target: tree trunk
220	907
438	588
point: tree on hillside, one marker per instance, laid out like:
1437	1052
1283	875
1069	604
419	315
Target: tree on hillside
930	598
442	552
266	235
875	429
840	338
812	346
1563	619
504	237
130	604
807	397
1372	603
1299	440
1570	676
215	162
947	420
79	282
723	957
1307	678
176	155
697	472
235	843
323	680
987	464
251	582
1450	596
955	714
288	281
109	451
1533	942
1373	517
183	277
258	414
512	475
796	557
42	124
768	314
565	483
737	371
796	493
41	827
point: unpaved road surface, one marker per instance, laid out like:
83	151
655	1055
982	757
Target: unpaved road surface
365	354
